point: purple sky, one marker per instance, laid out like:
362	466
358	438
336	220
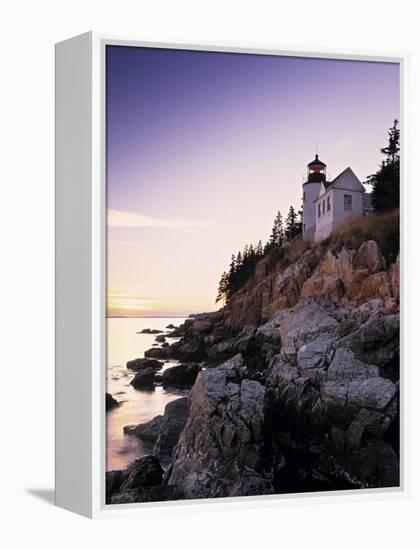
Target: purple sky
203	148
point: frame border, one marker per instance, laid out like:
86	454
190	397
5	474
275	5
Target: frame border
98	283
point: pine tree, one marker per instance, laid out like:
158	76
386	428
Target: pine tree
245	253
242	265
277	233
222	292
280	230
392	152
386	181
292	225
232	266
239	261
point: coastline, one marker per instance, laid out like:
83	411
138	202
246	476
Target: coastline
300	397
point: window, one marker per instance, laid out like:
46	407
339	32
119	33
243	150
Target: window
348	202
328	204
319	210
323	207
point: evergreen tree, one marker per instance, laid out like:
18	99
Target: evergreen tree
222	291
245	254
277	233
392	152
232	266
293	227
242	265
239	261
386	181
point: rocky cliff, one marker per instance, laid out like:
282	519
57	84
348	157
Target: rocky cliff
310	399
349	276
298	381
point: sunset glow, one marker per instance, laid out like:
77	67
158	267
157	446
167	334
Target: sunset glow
203	148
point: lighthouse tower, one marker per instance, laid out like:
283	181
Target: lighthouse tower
315	179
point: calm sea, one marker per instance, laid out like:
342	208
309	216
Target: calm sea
136	405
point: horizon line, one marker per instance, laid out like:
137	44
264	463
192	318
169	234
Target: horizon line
151	316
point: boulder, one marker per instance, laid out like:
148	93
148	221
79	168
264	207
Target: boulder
306	322
219	334
150	331
144	472
201	325
395	279
375	460
170	428
144	378
221	351
376	340
180	376
368	257
374	393
158	353
244	342
330	401
345	367
113	481
314	355
220	451
171	326
288	283
356	275
147	431
110	402
144	363
270	331
163	430
140	482
161	339
191	349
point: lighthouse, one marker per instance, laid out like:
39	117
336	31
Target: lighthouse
327	204
316	178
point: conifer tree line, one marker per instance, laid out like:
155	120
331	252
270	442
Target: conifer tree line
386	181
242	265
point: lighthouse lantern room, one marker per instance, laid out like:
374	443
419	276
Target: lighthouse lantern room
316	170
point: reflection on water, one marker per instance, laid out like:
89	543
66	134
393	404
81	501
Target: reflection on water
136	406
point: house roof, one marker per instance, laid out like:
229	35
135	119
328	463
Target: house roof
346	180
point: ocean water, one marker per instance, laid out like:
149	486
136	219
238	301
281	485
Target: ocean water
137	406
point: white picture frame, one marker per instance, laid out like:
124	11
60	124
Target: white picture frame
80	278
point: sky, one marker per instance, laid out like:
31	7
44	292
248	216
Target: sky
203	148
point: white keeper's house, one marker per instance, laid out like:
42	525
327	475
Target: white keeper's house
326	204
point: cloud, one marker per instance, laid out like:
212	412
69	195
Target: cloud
112	243
119	218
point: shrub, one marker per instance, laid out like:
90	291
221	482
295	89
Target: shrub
382	228
282	257
293	251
